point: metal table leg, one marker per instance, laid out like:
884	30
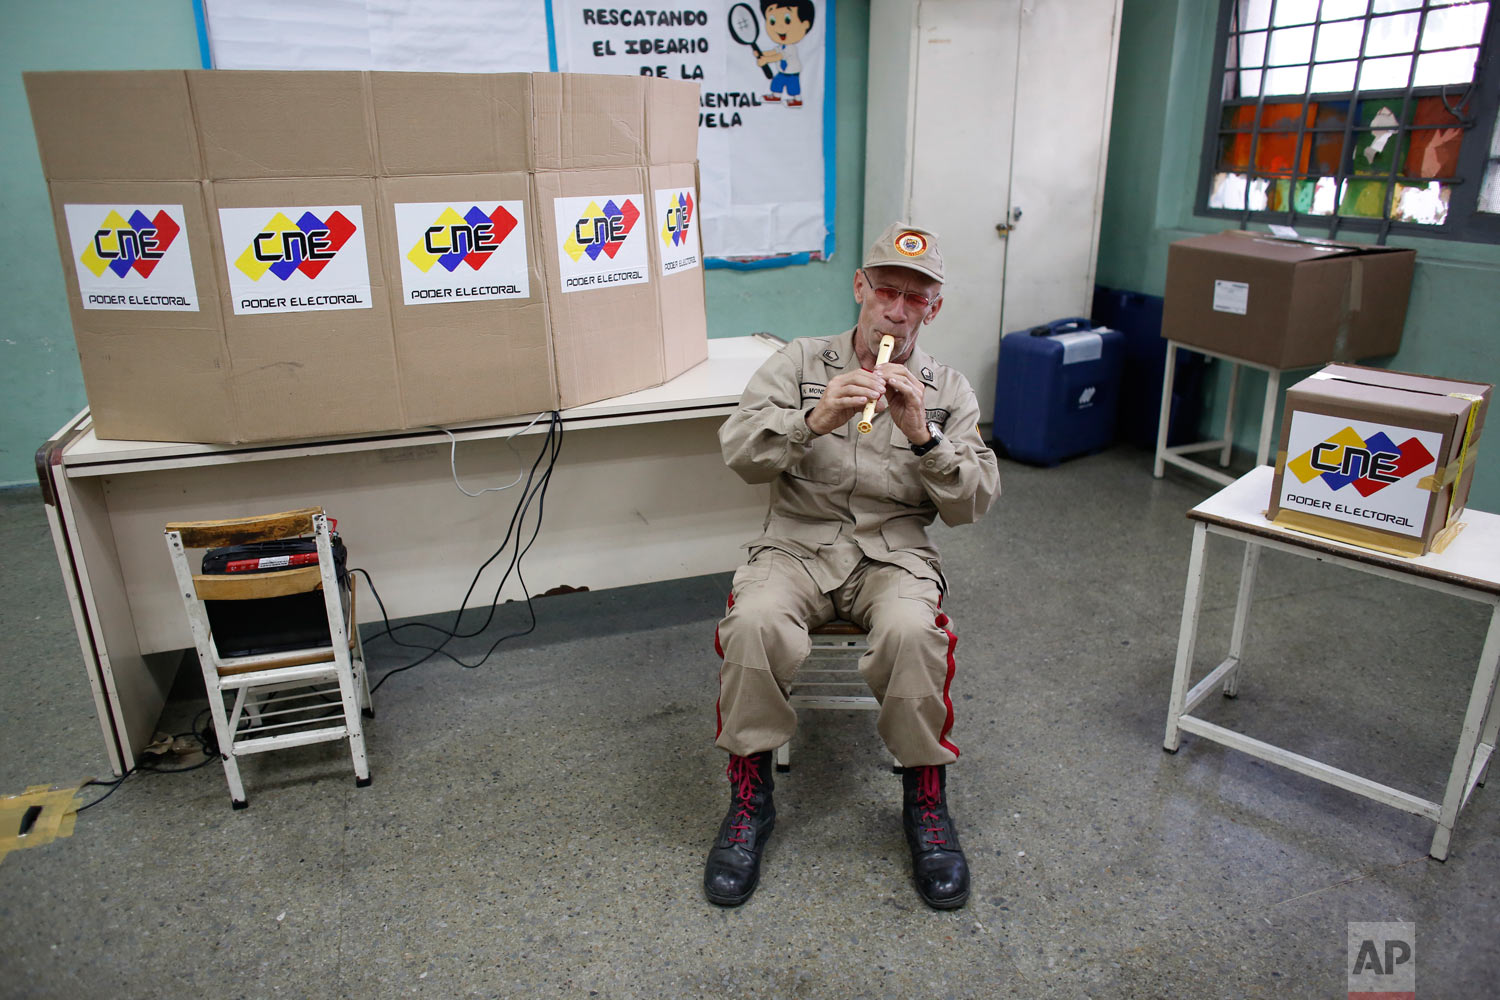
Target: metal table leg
1466	763
1488	737
1268	417
1187	637
1234	391
1241	617
1165	419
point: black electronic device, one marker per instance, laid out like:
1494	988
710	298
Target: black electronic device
272	624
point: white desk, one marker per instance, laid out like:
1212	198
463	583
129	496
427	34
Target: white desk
1177	454
1470	569
640	494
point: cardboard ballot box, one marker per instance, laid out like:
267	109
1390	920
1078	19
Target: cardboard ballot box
254	256
1286	303
1378	458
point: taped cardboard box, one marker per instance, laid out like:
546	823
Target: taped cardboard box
1286	303
340	164
1377	458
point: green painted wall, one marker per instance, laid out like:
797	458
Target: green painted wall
40	384
1161	98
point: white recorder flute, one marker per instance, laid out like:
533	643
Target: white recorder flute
887	344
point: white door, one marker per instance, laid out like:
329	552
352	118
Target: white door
988	123
1065	84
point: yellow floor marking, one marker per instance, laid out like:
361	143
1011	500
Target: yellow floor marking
45	811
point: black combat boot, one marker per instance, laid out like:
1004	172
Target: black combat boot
938	865
734	861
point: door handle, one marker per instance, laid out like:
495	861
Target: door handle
1006	228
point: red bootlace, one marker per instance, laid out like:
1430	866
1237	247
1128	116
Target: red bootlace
744	775
929	798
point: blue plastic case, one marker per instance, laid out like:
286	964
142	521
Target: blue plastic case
1057	391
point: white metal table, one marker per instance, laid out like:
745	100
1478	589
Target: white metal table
1177	454
640	494
1470	568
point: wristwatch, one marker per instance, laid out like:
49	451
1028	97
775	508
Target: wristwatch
933	442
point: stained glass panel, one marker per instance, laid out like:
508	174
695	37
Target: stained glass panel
1376	146
1489	194
1427	204
1285	143
1434	151
1489	191
1328	141
1363	199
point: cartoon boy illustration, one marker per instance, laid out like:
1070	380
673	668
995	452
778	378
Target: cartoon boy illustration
787	23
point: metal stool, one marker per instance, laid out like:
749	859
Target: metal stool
829	673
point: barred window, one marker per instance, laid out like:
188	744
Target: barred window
1364	115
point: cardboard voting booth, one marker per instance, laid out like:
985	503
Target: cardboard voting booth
255	256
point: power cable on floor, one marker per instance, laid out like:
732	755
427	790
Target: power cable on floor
206	742
534	493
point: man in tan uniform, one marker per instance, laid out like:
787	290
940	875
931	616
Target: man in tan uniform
845	537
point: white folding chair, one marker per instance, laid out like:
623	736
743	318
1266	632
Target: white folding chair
829	677
283	699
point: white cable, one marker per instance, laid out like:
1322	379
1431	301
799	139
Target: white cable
453	459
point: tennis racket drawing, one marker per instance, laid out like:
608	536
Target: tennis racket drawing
744	26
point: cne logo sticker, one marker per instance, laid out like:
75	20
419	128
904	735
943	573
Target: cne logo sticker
911	244
302	259
132	257
1377	475
601	230
598	243
677	210
283	247
461	252
1369	465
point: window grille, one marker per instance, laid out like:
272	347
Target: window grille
1364	115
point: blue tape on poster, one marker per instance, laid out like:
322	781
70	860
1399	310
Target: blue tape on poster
200	18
